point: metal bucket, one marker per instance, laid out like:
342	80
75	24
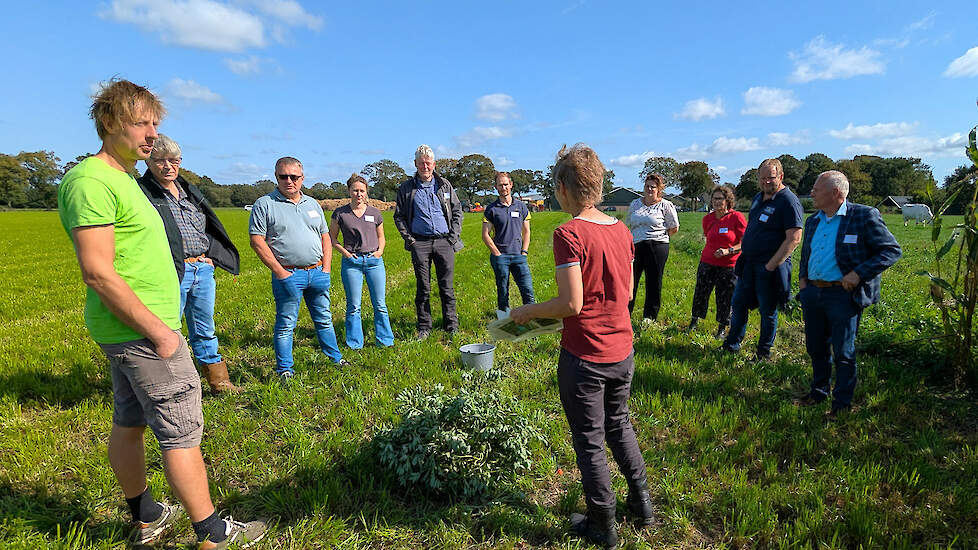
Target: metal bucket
477	356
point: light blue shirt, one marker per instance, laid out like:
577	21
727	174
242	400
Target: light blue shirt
293	231
429	218
822	265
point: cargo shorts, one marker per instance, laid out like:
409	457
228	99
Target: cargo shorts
163	394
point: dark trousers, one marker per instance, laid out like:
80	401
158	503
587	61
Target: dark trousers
708	277
758	284
650	258
441	253
502	266
831	323
595	400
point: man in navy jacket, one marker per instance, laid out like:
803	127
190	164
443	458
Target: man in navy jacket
846	247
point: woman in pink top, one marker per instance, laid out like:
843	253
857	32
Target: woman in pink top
723	229
593	253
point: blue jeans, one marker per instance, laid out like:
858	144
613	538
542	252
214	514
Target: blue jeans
755	284
502	266
353	271
197	291
831	322
313	285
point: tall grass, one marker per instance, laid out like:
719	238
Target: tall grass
732	463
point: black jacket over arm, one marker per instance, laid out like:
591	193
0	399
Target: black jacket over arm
222	251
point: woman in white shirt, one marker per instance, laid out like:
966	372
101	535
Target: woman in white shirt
652	220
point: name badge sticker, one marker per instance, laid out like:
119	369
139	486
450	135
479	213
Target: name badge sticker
514	214
850	239
723	230
769	209
368	218
312	214
447	195
763	217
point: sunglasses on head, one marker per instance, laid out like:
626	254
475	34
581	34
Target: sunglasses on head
290	177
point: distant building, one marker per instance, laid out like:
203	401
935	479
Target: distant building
893	203
619	198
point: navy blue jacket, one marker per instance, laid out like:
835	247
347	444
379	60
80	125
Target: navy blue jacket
874	249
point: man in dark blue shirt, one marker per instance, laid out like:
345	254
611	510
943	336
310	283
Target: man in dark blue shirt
764	267
428	215
509	220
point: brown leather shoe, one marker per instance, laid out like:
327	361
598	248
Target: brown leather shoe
218	379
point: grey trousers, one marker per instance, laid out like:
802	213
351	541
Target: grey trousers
441	253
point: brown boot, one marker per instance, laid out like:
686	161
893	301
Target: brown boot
217	377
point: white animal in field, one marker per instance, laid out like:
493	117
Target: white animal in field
920	213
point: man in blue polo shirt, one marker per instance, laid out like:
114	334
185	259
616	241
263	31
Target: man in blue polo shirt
764	267
847	246
509	220
428	215
290	236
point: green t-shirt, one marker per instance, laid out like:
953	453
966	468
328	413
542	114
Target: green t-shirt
93	193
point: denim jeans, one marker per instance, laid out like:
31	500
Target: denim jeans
313	285
831	323
197	291
352	272
502	266
755	283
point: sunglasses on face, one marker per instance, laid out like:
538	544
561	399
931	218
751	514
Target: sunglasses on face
288	177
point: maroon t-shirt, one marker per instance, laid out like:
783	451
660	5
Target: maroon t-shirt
602	331
359	233
722	233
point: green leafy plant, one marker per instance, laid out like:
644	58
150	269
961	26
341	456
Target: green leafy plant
954	285
457	445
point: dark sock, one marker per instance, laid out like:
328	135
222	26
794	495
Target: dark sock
212	527
144	507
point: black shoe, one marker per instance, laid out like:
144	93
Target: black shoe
809	399
760	357
692	325
286	378
838	412
724	348
597	526
640	506
721	330
423	334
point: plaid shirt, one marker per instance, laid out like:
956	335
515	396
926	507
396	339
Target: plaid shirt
191	222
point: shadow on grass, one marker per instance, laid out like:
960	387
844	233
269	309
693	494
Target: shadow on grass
62	390
36	510
357	489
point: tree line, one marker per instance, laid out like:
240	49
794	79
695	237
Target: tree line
30	179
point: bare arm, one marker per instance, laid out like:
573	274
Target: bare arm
333	233
568	302
672	231
327	252
486	238
264	254
95	249
381	241
791	239
526	235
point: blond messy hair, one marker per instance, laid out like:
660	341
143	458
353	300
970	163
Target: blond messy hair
581	173
119	102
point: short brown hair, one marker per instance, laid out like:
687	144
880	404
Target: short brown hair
660	181
580	171
500	174
287	161
728	195
775	163
119	102
355	178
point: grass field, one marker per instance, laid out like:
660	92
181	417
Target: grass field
732	464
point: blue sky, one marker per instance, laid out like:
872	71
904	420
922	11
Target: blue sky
339	86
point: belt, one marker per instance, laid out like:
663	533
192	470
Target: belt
313	266
365	253
194	259
429	237
826	284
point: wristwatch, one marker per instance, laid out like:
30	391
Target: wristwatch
730	251
524	252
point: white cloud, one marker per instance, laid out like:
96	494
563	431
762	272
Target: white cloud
966	65
763	101
721	145
502	161
244	66
188	90
481	134
823	60
922	24
701	109
632	160
783	139
875	131
915	146
495	107
244	172
212	24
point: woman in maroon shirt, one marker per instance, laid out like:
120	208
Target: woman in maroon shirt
723	229
593	253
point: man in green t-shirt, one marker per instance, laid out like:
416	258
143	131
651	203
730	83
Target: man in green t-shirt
132	312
